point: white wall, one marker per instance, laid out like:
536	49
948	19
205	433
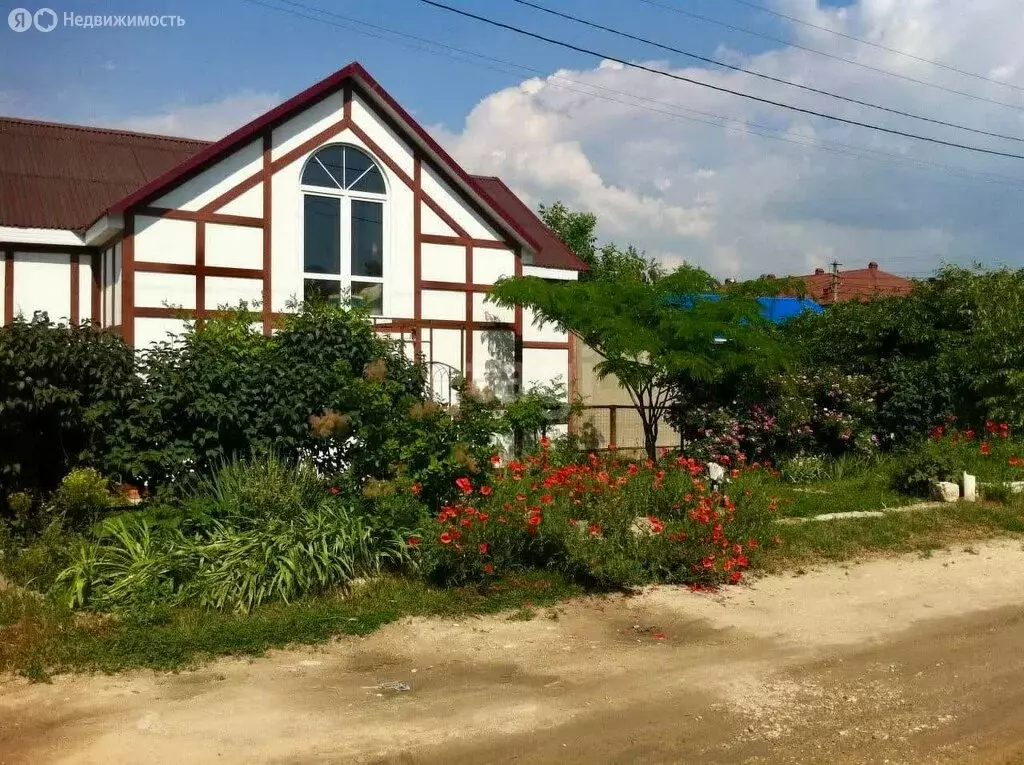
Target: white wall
218	179
84	287
443	263
227	292
148	331
250	203
442	193
439	304
494	366
234	246
548	333
42	282
544	365
162	240
156	290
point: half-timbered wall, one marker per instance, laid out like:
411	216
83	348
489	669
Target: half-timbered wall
36	280
234	232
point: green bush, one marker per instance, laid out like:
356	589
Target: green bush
257	531
61	390
917	469
83	495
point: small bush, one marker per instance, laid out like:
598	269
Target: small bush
917	470
804	469
83	495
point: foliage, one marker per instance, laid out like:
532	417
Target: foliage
83	495
919	468
614	523
60	390
952	347
529	415
650	345
258	531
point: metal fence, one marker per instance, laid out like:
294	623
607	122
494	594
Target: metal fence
600	426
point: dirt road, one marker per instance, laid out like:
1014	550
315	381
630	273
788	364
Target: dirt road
911	660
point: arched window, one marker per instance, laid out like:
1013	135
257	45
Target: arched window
343	209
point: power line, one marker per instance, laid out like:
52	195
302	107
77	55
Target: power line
805	23
719	88
763	76
833	56
726	123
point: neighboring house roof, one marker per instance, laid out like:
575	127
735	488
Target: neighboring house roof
552	252
856	284
63	176
68	176
777	310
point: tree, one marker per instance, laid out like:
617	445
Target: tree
630	313
576	229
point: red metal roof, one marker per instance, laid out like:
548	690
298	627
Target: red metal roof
856	284
64	176
552	252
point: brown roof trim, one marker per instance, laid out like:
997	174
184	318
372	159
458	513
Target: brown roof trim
315	93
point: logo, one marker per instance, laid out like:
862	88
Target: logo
45	19
22	19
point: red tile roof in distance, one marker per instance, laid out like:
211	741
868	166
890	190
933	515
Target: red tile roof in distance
552	252
64	176
856	284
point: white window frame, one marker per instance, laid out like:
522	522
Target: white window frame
346	277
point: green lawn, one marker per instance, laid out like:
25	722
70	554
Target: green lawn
864	488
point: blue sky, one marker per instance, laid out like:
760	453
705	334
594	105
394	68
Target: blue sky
226	46
634	148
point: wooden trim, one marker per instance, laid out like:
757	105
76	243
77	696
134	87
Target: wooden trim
8	286
459	241
346	97
96	288
193	270
455	286
268	177
51	249
76	308
417	255
545	345
398	325
128	280
164	312
201	217
200	270
468	371
518	323
573	378
285	159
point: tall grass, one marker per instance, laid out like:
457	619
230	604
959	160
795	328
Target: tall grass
258	531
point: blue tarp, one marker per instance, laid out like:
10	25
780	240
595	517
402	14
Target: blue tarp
777	310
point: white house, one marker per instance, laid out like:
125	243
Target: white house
337	188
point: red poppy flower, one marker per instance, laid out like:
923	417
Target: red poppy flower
482	517
547	499
985	447
659	636
495	460
334	490
545	442
413	541
521	497
445	538
486	491
534	520
483	548
735	576
488	568
465	485
416	488
595	529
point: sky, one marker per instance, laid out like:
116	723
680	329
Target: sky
682	172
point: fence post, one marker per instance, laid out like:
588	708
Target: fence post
613	412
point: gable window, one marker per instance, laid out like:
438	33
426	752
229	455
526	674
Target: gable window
343	212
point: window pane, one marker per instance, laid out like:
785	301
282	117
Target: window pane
317	290
322	243
356	164
372	182
369	295
325	168
367	238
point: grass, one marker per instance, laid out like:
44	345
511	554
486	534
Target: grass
38	637
895	533
869	487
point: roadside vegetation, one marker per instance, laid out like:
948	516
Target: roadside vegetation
229	492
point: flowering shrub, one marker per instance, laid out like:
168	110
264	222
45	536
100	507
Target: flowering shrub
608	520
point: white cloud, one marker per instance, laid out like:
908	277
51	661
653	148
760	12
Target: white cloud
210	121
743	205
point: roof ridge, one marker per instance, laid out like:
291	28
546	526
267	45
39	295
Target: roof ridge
99	129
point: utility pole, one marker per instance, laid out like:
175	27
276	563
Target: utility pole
835	280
